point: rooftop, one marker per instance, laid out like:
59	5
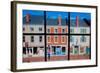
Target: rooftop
38	19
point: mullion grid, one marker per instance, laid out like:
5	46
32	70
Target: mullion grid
81	35
78	34
54	34
67	34
45	34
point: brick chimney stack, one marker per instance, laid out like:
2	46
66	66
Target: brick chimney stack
27	18
59	20
77	21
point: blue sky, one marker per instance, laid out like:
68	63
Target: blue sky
54	14
80	15
32	12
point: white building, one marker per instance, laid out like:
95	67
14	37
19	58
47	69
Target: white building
79	44
33	45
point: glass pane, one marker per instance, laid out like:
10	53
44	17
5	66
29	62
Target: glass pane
57	49
80	49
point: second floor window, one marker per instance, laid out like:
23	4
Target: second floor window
32	38
63	38
48	39
71	39
56	38
40	38
83	39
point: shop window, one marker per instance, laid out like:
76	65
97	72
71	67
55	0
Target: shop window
24	50
54	50
71	50
30	50
23	38
63	50
76	49
81	49
35	50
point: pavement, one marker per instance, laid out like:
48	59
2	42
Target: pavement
55	58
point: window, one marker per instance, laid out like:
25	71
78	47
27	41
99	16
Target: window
83	39
72	30
48	30
71	50
40	29
81	49
48	39
31	28
54	50
88	50
23	38
40	38
71	39
63	30
83	30
24	50
63	39
63	49
56	30
30	50
58	50
32	38
23	28
56	39
76	49
35	50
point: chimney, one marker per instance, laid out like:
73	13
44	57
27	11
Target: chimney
27	18
59	20
77	21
